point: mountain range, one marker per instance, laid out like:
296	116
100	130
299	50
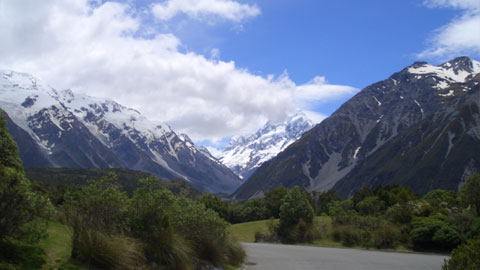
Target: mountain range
244	154
418	128
62	129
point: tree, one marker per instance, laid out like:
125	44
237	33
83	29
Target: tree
19	205
434	232
150	220
370	206
323	199
254	209
24	214
470	192
361	194
465	257
273	200
215	203
296	209
441	198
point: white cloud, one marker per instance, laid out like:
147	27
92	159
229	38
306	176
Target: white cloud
226	9
318	91
94	50
461	35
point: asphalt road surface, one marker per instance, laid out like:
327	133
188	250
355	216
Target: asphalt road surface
288	257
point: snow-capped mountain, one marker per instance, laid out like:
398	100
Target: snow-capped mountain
245	154
419	128
75	130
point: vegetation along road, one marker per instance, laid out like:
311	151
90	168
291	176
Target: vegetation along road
289	257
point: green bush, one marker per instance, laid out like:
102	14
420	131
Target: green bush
469	193
370	206
441	198
234	252
433	232
203	228
19	255
296	215
19	204
387	236
254	209
350	236
465	257
24	214
322	201
273	200
149	220
215	203
338	209
400	213
108	251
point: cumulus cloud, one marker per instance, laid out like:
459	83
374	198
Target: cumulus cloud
226	9
95	49
461	35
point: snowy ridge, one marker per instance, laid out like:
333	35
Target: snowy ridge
246	153
458	70
135	142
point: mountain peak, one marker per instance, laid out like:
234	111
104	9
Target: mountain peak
462	63
244	154
457	70
10	79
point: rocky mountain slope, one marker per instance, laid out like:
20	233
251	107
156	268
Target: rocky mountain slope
369	138
245	154
63	129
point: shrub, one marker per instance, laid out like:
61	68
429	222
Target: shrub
273	200
400	213
107	251
465	257
322	201
254	209
441	198
19	255
469	193
203	228
215	203
433	232
350	236
234	252
370	206
338	209
19	204
387	236
296	214
23	213
149	220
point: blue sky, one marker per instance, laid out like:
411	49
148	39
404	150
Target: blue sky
218	68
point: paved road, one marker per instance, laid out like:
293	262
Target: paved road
287	257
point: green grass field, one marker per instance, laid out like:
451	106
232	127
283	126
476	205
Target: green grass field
245	232
58	247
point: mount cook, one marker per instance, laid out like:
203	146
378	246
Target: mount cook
244	154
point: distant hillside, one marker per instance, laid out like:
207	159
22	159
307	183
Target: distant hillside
419	128
58	178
